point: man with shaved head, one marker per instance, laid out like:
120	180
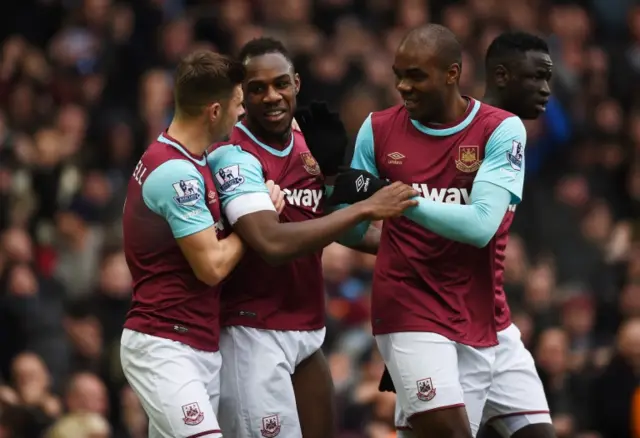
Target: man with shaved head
435	277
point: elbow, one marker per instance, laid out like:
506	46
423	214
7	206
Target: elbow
481	238
213	272
210	277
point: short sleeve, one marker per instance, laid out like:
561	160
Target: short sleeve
503	164
240	182
364	156
175	190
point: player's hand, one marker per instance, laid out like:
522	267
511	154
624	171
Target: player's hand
277	196
353	185
390	201
325	136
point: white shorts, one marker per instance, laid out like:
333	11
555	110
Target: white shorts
516	398
178	386
431	372
257	393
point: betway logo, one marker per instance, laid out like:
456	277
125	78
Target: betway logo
448	196
304	197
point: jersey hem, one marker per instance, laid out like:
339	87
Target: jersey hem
430	329
505	325
167	333
278	327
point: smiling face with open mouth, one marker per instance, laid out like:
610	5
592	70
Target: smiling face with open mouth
270	92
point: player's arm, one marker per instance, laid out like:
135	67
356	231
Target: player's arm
498	183
363	237
249	209
191	222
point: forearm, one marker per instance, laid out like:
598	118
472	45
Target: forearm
474	224
353	238
229	254
286	241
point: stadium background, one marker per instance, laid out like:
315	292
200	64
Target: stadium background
85	85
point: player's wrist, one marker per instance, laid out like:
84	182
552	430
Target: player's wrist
364	210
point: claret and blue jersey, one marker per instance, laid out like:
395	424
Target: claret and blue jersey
286	297
436	268
171	195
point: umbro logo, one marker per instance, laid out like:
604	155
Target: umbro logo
395	158
362	184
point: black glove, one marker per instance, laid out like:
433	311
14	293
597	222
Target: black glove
353	185
325	136
386	384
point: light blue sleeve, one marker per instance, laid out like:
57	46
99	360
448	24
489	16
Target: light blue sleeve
474	224
175	190
364	158
236	173
503	163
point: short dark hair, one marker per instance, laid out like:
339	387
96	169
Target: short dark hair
447	47
203	77
262	46
511	46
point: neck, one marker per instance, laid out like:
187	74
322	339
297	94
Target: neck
491	98
271	138
192	135
453	111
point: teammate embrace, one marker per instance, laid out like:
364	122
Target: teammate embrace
179	248
244	357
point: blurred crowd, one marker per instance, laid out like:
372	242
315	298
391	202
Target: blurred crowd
86	84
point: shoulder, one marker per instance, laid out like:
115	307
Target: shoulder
156	153
174	176
491	120
174	168
224	154
492	117
383	122
298	139
387	115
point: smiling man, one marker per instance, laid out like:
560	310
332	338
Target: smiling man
433	295
275	378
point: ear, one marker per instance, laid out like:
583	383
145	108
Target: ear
215	111
453	73
296	82
501	76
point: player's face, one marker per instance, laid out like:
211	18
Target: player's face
270	92
528	85
224	115
422	82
